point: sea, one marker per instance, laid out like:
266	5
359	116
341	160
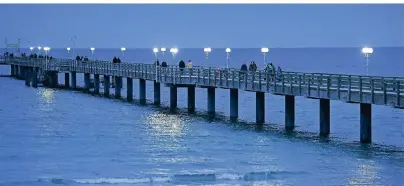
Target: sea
63	137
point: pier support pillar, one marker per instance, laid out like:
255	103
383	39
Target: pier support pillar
260	107
27	76
365	123
67	80
96	83
12	70
118	86
106	85
289	112
233	105
211	101
157	93
324	117
55	79
173	98
74	80
142	91
35	77
191	99
129	89
86	82
18	71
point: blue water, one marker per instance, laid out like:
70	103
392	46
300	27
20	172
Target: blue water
50	136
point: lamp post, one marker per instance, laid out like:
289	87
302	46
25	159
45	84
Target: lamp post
264	53
207	51
367	52
163	50
39	50
68	49
228	50
31	48
46	49
123	49
155	51
92	50
174	52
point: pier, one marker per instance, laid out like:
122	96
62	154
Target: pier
363	90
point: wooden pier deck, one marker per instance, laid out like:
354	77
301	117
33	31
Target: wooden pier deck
364	90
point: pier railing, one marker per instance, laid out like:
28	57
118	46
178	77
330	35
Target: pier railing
349	88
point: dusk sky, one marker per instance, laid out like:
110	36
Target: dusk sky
186	26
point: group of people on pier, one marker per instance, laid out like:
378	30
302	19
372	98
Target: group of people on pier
82	58
31	56
116	60
181	64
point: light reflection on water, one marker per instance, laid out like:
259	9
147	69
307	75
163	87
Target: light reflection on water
366	173
46	99
165	124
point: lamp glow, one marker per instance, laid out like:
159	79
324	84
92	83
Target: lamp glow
264	50
92	49
155	50
228	50
68	49
174	50
46	49
207	50
123	49
39	48
367	50
31	48
163	49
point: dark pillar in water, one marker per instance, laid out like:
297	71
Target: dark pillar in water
86	82
211	101
260	107
19	72
106	85
157	92
51	79
142	91
118	86
96	83
27	75
366	123
324	117
173	97
129	89
289	112
35	77
12	70
74	84
191	99
67	80
233	105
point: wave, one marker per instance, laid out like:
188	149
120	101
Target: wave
177	178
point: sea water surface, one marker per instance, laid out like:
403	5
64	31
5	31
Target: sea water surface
51	136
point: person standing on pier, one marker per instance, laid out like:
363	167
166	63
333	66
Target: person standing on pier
157	63
189	65
181	65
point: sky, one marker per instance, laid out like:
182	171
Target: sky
198	26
